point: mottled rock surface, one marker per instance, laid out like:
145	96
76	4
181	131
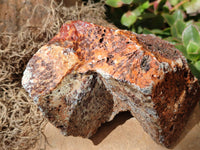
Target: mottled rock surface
88	73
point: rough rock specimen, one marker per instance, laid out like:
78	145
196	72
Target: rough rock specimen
88	73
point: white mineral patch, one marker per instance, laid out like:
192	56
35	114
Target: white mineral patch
26	79
35	99
179	62
115	61
173	64
165	67
68	28
99	57
44	49
103	73
116	31
67	51
138	46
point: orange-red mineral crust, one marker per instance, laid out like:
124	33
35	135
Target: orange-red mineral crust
114	70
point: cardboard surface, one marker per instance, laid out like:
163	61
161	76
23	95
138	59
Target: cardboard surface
123	133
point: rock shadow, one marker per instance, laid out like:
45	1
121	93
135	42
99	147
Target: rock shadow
108	127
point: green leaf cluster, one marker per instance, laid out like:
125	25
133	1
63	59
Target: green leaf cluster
186	37
177	21
130	17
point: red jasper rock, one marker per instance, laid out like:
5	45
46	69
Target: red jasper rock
88	73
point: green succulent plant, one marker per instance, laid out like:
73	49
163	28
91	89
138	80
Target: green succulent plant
177	21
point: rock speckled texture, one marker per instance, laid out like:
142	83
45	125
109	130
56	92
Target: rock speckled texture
88	73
